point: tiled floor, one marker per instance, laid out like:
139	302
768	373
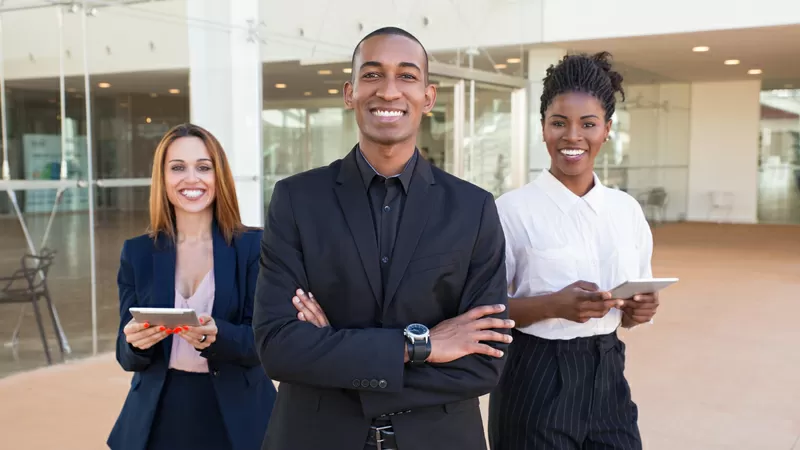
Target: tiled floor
718	369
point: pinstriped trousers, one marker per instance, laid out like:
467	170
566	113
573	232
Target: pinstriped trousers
563	394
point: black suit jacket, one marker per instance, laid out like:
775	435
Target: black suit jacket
448	258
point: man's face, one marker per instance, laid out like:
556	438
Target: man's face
389	92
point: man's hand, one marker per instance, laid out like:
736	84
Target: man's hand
462	335
581	301
640	309
309	309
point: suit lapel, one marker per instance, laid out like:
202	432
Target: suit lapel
164	281
419	203
224	273
353	200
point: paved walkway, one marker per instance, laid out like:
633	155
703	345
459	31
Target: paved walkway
719	369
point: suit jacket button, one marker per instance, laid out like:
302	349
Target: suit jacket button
373	384
364	383
382	384
356	383
215	373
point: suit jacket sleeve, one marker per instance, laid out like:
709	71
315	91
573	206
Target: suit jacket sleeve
235	342
298	352
129	357
472	375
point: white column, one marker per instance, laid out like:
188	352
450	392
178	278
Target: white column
723	151
225	91
539	60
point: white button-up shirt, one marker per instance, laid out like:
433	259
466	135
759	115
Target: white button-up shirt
554	238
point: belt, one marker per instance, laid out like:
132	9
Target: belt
381	435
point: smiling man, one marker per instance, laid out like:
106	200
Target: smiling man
406	326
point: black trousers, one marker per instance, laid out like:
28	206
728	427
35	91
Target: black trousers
188	416
563	394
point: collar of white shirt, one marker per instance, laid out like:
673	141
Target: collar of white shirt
566	199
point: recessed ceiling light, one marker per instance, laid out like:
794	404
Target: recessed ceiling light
788	86
280	86
700	48
174	91
347	70
307	93
324	72
731	62
513	60
148	120
754	72
153	95
333	91
103	85
500	66
70	90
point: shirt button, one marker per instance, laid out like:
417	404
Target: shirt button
385	259
387	208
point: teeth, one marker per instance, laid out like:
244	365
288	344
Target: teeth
192	193
572	152
388	113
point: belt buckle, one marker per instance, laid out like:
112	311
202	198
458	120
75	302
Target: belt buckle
378	439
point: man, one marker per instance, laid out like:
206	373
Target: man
406	266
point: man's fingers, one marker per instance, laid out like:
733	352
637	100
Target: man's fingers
481	311
487	335
312	305
491	322
483	349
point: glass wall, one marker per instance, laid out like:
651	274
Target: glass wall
77	174
779	157
647	154
84	109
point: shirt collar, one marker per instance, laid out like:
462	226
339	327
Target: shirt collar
566	199
368	172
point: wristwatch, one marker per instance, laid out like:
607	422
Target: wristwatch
419	343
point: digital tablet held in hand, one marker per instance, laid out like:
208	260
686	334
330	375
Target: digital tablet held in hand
630	288
168	317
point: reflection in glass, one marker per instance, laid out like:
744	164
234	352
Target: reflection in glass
779	157
487	153
299	139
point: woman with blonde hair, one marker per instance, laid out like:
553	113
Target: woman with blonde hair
193	387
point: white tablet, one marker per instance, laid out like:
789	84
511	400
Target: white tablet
168	317
630	288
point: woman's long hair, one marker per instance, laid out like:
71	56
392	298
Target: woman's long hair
226	205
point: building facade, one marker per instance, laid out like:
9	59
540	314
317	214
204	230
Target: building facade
709	131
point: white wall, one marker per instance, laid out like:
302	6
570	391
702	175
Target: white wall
330	29
724	149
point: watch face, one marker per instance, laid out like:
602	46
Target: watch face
417	329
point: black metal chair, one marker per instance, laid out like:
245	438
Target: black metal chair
28	284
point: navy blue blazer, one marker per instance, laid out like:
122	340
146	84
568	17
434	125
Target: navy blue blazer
246	396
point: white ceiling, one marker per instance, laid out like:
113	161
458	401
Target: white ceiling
664	58
643	59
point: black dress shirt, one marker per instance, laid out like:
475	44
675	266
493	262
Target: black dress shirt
387	196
